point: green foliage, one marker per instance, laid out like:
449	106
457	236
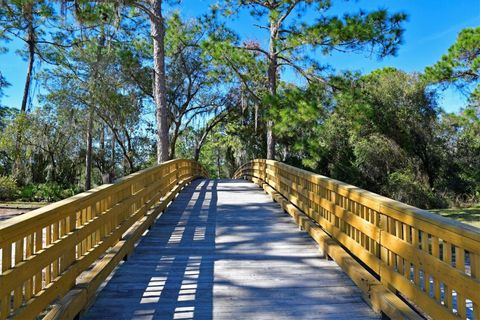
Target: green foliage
461	64
377	157
404	186
8	188
378	29
297	109
3	84
461	135
376	131
382	131
46	192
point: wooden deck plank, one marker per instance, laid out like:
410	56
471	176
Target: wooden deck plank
224	250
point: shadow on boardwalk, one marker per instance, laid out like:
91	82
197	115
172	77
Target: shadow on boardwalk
224	250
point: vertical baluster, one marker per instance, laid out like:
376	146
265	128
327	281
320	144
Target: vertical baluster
447	258
18	292
460	265
78	247
117	219
400	235
38	247
98	209
353	231
69	256
56	230
6	265
28	253
88	218
416	243
84	247
108	205
63	227
475	270
346	226
364	239
373	245
103	207
393	231
407	234
378	223
96	235
384	227
48	241
436	282
63	232
360	235
426	275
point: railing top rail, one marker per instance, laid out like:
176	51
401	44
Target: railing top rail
50	211
384	204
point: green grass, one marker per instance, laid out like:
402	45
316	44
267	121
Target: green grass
470	216
22	204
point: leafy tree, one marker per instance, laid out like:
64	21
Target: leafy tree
195	88
461	135
460	67
153	10
96	77
289	37
370	131
461	64
5	112
25	21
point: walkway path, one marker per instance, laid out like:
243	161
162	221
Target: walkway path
224	250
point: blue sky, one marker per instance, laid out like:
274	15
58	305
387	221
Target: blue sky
431	29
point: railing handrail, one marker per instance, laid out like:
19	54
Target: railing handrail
447	223
467	230
421	255
44	252
77	199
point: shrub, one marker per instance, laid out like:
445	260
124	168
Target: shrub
376	156
48	192
403	186
27	192
8	188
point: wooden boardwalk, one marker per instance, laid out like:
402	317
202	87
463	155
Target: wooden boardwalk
224	250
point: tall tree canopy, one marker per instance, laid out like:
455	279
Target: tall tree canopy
461	64
289	38
130	84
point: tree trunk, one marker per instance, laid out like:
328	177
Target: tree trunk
53	175
112	164
219	171
88	156
199	145
31	57
173	143
157	30
272	87
16	171
256	117
196	154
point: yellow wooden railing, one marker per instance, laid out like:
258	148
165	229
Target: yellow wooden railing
53	259
429	261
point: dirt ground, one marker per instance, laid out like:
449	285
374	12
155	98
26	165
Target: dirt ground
9	210
7	213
